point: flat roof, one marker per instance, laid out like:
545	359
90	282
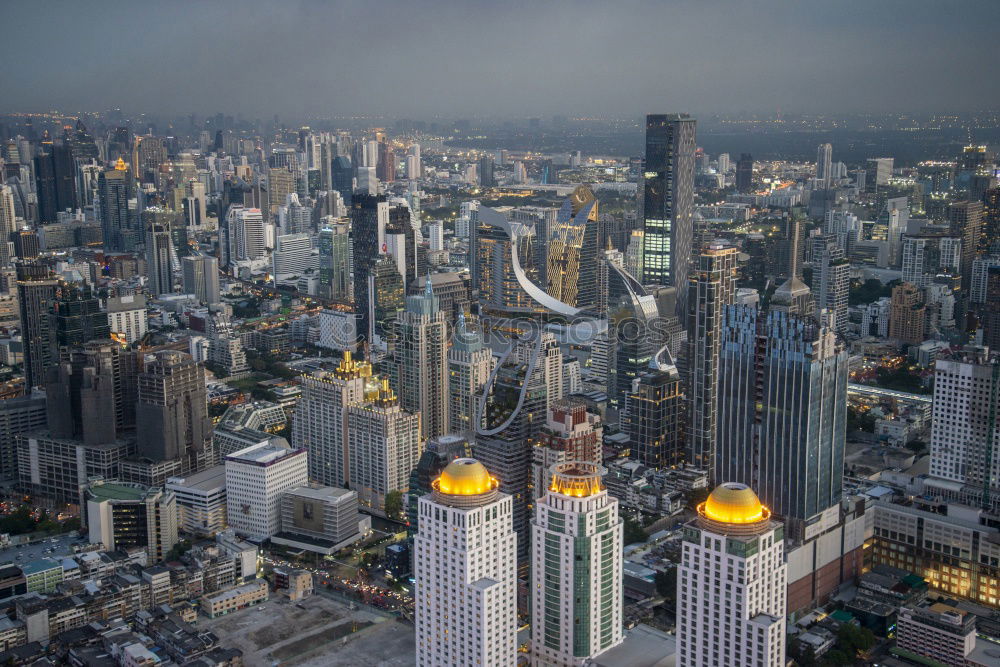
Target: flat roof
263	454
40	565
206	480
117	491
320	493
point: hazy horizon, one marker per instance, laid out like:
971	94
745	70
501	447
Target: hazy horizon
307	58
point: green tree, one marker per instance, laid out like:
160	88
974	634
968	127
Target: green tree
666	585
393	504
633	532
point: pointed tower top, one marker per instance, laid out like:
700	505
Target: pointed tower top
120	165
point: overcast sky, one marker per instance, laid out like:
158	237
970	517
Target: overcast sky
499	57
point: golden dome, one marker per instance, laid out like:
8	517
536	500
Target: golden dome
733	503
465	477
120	165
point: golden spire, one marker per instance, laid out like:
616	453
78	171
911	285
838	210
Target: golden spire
120	165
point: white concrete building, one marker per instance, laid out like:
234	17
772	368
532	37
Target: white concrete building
127	317
731	584
292	254
470	363
255	479
201	501
465	569
576	569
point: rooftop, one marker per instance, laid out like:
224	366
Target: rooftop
206	480
265	454
320	492
101	491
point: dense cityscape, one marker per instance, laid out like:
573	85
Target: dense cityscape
568	389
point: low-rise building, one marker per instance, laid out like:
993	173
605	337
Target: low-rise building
936	632
234	599
42	576
320	519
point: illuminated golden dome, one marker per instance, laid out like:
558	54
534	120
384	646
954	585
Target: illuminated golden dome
465	477
733	503
120	165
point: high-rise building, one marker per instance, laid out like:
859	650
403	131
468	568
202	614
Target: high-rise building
246	237
386	168
320	421
907	314
384	445
668	203
927	254
256	479
20	415
92	393
280	184
744	173
655	418
732	584
573	251
470	363
577	574
124	516
172	412
771	366
35	290
335	262
55	181
966	221
75	317
711	287
127	317
465	574
832	277
486	177
292	254
369	217
8	213
824	160
387	297
159	274
201	278
342	177
421	355
118	224
151	152
965	429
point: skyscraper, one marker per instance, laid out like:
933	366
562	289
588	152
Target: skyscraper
908	314
172	412
335	262
486	176
965	430
832	276
744	173
369	217
160	277
320	421
577	577
782	411
824	159
570	433
573	251
342	176
469	365
201	278
711	287
35	289
55	181
384	445
245	235
421	354
118	229
465	595
387	298
75	317
966	221
732	584
655	418
668	203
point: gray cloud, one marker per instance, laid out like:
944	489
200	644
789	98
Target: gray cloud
471	57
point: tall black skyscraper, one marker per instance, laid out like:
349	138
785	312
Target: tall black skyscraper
486	176
55	176
668	202
172	410
342	177
744	173
75	317
369	216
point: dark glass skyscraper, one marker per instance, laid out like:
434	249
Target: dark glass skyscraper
75	317
668	202
114	188
35	290
55	178
782	411
744	173
342	177
369	215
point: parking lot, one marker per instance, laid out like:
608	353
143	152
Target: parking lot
316	631
47	548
